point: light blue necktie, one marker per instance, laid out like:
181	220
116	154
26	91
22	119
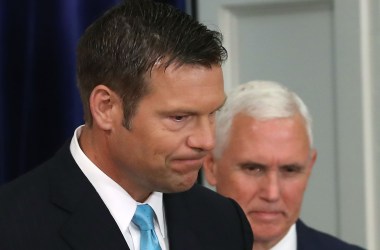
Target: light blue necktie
143	218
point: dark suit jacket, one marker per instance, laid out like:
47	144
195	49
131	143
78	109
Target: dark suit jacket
55	207
311	239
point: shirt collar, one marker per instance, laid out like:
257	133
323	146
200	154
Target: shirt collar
289	242
120	204
155	201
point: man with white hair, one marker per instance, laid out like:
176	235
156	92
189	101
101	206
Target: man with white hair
263	159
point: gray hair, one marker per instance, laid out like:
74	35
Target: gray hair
262	100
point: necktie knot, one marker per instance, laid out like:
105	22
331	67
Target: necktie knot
143	217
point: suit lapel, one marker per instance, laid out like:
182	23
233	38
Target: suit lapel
305	239
90	224
180	226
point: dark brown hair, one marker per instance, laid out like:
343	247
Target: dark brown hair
122	46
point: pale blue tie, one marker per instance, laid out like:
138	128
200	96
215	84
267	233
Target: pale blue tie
143	218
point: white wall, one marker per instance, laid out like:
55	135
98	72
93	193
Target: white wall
328	52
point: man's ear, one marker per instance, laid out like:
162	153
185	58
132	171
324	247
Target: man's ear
313	158
103	105
209	167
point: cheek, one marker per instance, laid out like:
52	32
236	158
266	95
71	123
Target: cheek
164	140
239	187
153	143
293	194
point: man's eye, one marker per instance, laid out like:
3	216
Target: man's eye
292	169
256	169
253	169
178	118
288	169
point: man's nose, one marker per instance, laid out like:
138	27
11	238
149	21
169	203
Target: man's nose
202	137
270	187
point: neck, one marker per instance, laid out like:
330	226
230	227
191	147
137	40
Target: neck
263	245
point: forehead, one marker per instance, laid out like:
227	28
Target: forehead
268	128
280	138
187	85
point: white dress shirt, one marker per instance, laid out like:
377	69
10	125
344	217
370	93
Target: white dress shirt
289	242
120	204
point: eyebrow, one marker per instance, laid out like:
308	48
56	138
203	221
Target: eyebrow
189	111
252	164
294	167
255	164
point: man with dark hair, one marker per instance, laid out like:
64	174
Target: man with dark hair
150	80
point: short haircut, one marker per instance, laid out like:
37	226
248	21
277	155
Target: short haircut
262	100
121	48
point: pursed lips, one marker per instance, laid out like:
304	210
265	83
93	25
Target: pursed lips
189	163
267	215
195	157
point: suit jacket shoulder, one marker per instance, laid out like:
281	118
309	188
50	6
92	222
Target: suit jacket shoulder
311	239
202	219
54	206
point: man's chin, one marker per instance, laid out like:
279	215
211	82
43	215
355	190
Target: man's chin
183	185
271	233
